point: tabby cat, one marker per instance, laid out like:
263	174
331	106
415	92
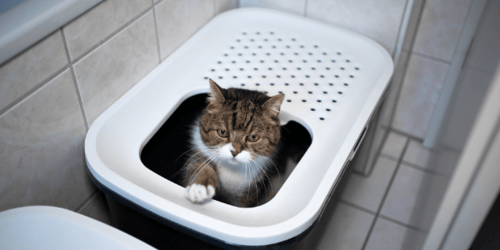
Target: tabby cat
234	143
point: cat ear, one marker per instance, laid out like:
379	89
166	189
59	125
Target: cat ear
274	104
215	92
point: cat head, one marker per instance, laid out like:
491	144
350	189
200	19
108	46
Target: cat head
240	125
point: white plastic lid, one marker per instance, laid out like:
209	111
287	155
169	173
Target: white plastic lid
43	227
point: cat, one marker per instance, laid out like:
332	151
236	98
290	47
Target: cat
234	143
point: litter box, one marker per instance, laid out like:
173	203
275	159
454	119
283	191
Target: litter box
333	81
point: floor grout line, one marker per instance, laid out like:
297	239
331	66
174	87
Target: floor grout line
384	197
357	206
87	201
401	223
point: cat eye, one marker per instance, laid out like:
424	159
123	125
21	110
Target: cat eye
252	138
222	133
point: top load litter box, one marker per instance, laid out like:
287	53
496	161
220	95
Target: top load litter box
333	81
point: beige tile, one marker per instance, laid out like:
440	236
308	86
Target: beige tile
471	89
291	6
28	69
388	235
346	229
367	192
485	52
419	95
417	154
101	21
430	197
440	27
97	208
403	194
394	90
394	145
379	20
179	20
41	149
108	72
442	161
225	5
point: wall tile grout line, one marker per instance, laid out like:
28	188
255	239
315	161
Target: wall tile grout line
406	63
75	81
430	57
385	196
112	35
72	62
157	35
21	98
400	29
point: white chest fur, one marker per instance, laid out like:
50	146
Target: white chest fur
236	178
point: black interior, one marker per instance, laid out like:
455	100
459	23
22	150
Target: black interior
165	155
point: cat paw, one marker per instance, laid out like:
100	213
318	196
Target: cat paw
199	193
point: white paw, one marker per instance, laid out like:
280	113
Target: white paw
199	193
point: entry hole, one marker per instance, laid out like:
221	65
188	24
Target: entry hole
313	109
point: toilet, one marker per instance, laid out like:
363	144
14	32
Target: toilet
333	80
45	227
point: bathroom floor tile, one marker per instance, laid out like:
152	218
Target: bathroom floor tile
97	208
388	235
346	229
417	154
368	191
403	194
394	145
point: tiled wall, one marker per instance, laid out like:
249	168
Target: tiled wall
433	47
52	92
379	20
437	36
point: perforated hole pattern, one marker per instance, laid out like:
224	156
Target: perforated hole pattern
316	76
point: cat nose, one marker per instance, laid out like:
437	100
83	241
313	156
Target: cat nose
234	153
